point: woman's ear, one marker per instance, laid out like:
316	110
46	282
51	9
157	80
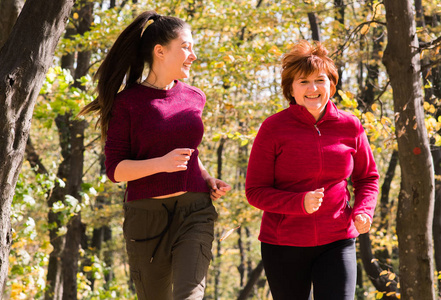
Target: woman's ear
333	90
158	51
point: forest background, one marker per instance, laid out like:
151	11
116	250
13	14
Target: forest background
66	239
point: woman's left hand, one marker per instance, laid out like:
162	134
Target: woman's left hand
218	188
362	223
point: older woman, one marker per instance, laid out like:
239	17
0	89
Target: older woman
298	174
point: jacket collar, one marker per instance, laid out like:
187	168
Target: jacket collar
304	116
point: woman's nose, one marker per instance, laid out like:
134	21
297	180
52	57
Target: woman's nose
193	55
312	86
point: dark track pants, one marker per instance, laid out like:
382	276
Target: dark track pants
331	269
169	247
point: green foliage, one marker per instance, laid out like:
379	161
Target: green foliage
59	96
30	247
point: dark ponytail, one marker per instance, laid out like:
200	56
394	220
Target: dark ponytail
131	52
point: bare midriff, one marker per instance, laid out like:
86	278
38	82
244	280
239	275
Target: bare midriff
169	195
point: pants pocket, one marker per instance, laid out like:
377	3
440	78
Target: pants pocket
203	262
137	280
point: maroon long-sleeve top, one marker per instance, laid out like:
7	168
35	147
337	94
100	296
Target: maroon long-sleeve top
292	155
148	123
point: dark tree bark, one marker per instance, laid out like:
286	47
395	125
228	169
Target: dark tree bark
373	70
70	254
315	28
9	11
339	7
373	269
68	60
253	278
63	262
34	159
436	155
24	60
218	254
370	263
416	198
430	75
241	267
384	198
76	146
100	236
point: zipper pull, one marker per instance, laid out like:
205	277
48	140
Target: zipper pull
316	128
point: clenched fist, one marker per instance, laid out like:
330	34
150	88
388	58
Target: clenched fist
362	223
176	160
313	200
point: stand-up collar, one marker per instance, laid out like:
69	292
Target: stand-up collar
304	116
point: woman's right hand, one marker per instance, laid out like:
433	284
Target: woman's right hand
176	160
313	200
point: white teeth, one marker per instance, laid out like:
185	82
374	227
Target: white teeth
312	96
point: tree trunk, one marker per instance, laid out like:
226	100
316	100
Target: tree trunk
102	234
24	60
416	198
315	29
63	260
430	76
218	254
339	7
384	198
253	278
436	154
75	228
241	267
373	269
371	265
34	159
9	11
373	71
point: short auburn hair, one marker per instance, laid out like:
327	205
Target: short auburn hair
304	59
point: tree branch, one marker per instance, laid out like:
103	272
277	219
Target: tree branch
254	277
34	159
431	44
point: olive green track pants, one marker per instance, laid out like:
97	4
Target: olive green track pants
169	243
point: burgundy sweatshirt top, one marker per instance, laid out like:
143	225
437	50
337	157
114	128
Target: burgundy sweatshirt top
148	123
292	155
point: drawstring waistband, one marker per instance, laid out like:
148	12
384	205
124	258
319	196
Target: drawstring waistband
170	215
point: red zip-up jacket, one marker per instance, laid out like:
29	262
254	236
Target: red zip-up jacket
292	155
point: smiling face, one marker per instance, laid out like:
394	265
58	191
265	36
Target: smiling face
312	92
179	55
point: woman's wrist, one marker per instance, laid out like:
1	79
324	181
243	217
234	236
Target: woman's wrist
205	175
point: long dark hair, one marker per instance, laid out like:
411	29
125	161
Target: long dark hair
131	52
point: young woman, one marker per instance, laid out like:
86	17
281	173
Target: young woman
152	129
297	174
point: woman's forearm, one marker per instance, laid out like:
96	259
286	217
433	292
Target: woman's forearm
128	170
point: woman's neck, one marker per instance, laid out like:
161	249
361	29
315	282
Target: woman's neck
158	83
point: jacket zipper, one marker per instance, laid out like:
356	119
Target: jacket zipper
321	167
318	130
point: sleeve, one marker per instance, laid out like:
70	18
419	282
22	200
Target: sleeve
364	176
117	147
259	186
